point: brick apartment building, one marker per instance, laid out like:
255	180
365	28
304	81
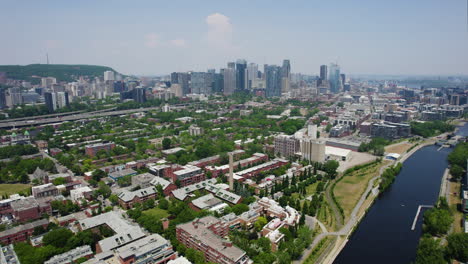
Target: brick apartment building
21	233
206	235
128	198
92	150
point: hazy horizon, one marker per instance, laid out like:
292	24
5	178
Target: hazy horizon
426	38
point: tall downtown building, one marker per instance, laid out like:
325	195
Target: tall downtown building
241	69
229	79
285	76
334	78
252	75
272	80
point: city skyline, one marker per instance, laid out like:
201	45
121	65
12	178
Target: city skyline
374	37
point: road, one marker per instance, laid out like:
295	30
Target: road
29	123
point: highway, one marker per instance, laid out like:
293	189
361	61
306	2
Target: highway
57	119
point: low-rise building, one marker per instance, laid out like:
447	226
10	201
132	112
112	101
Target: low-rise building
81	193
21	233
71	256
124	231
187	175
44	190
195	130
151	249
121	173
128	198
206	235
92	149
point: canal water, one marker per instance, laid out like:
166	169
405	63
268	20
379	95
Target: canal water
384	234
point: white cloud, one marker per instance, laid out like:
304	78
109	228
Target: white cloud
219	30
152	40
179	42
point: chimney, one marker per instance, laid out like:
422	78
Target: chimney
231	172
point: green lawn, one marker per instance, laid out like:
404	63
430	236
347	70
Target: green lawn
7	189
310	189
157	213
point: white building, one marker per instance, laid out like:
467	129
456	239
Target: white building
80	193
109	76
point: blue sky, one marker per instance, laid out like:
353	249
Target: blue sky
158	37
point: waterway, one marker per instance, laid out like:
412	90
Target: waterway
384	235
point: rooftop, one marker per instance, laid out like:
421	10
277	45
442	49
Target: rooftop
200	232
124	231
142	246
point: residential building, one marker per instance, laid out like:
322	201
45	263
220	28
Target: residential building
286	146
124	231
93	149
128	198
152	249
21	233
187	175
206	235
44	190
195	130
81	193
71	256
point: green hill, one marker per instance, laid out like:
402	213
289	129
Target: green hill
63	72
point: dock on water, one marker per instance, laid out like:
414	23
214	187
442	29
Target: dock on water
417	214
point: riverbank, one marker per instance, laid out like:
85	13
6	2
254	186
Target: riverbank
366	201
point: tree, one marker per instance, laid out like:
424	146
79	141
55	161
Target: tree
260	223
429	251
59	181
114	199
437	221
456	171
458	246
163	203
330	168
104	189
57	238
166	143
195	256
240	208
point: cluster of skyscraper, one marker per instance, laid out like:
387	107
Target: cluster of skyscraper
236	77
331	80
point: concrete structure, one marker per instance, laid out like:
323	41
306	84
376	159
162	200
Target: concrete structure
205	234
338	154
313	150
